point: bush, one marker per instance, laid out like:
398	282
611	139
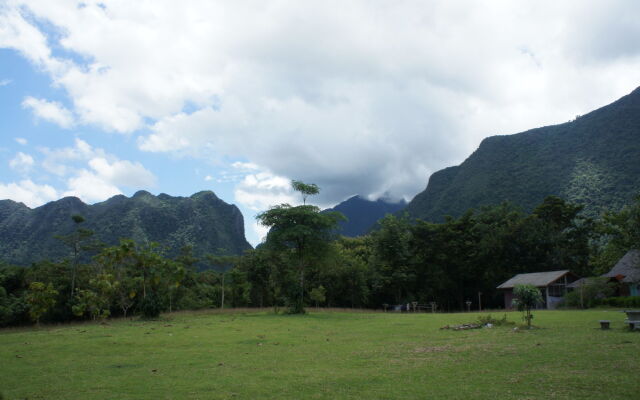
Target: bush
589	293
622	302
526	298
150	306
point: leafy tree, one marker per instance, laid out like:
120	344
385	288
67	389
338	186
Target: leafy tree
620	232
40	298
119	261
222	264
96	301
301	232
305	189
589	292
526	298
392	259
318	295
76	241
564	235
347	275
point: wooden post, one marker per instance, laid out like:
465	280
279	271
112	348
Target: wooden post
479	301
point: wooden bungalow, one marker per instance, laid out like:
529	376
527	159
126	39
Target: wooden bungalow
626	273
552	284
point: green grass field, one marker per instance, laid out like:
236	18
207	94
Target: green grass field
323	355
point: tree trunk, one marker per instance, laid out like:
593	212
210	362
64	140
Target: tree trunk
74	267
222	302
301	307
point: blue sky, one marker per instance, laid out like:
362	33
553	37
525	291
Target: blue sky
106	97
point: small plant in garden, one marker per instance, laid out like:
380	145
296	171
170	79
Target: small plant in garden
526	298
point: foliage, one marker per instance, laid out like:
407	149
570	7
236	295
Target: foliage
318	295
150	306
589	293
619	232
40	298
630	301
305	189
526	297
96	300
302	235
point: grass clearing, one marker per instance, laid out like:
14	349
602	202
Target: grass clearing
323	355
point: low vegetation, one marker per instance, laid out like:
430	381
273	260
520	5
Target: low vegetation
324	355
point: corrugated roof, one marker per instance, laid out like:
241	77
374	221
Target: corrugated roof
628	266
538	279
578	283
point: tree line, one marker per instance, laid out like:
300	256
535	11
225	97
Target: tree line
303	261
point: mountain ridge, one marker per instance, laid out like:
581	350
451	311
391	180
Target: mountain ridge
362	214
593	160
201	220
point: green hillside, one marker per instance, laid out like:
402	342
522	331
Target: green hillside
593	160
202	221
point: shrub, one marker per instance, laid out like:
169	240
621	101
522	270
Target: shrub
622	302
589	293
527	296
150	306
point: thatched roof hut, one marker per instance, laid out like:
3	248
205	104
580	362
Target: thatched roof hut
627	273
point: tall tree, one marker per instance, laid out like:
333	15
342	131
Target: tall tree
301	232
75	240
306	189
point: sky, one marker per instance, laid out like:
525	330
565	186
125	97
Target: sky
239	97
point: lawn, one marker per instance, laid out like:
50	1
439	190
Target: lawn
323	355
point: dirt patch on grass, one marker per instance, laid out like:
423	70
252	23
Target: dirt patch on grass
433	349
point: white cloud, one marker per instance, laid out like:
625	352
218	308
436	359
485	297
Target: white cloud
122	172
245	166
261	232
90	187
22	163
21	141
5	82
93	174
28	192
18	34
51	111
368	100
61	161
261	190
208	178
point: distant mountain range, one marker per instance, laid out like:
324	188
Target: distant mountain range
203	220
593	160
362	214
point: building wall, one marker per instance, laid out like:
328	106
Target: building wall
634	289
508	299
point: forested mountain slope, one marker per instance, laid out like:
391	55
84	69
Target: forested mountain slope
593	160
203	220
